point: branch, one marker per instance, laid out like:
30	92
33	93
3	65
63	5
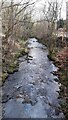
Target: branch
17	4
24	8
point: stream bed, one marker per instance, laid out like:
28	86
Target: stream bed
32	92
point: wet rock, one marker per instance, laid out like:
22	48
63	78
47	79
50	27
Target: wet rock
42	91
57	111
56	79
5	98
33	102
34	41
26	99
17	87
33	82
19	96
44	81
50	104
30	56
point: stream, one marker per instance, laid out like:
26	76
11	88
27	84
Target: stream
32	92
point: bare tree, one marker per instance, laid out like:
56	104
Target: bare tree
14	14
16	22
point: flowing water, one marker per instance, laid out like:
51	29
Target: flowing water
32	92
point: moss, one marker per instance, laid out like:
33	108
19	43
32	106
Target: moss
21	52
13	67
18	54
11	70
4	76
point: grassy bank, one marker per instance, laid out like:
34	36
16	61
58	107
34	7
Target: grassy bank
10	60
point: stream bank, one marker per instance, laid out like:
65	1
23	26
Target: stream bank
10	63
60	59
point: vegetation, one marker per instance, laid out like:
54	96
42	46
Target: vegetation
16	25
61	61
10	63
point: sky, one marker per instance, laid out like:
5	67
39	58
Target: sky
41	2
39	5
63	14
